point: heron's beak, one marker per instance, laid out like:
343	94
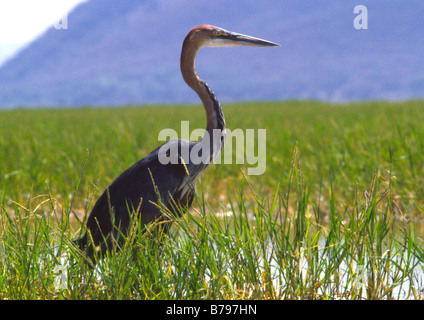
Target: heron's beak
238	39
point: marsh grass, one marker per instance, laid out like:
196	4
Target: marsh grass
261	248
334	217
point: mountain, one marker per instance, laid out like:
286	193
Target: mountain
127	52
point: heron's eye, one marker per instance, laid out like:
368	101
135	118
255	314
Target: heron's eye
218	33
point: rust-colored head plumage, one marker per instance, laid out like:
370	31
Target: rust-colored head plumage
207	35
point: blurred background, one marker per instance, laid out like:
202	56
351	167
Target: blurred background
108	52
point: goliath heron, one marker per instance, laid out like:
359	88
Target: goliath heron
149	181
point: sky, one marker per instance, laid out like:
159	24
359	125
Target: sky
22	21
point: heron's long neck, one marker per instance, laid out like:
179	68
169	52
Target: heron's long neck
214	115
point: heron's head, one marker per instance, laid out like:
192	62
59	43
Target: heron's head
211	36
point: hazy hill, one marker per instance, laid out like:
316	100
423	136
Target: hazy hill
127	52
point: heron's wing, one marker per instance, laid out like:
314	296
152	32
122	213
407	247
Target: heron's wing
142	186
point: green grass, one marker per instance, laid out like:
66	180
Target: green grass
334	216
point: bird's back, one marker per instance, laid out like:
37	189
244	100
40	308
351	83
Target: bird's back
141	187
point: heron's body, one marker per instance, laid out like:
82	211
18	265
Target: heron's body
143	185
